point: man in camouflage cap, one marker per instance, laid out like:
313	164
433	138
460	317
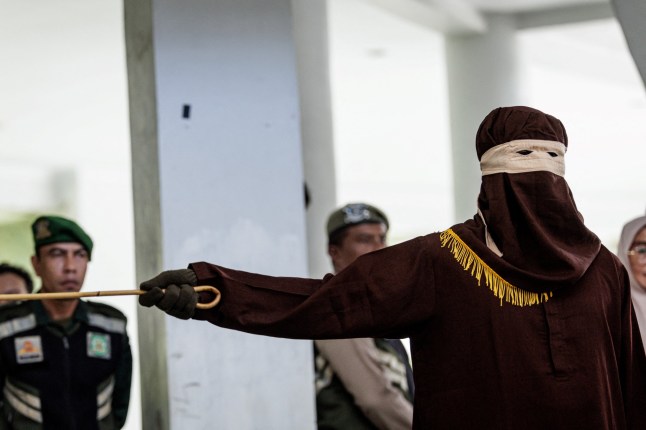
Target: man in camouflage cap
363	383
64	363
346	221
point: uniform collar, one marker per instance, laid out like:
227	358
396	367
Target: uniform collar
80	313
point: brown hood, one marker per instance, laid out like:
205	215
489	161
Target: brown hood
531	216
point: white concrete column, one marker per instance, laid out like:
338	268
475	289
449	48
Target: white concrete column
311	38
483	74
217	175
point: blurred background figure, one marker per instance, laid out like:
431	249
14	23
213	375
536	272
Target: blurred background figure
632	252
362	383
14	280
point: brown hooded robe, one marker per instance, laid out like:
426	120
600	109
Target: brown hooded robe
541	338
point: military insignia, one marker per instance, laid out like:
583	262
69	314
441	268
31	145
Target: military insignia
355	213
42	230
98	345
29	349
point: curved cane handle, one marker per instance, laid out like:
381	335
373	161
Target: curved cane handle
212	290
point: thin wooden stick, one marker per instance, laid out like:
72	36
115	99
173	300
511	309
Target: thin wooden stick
53	296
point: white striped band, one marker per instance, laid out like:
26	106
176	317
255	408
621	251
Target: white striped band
113	325
24	403
104	400
544	155
17	325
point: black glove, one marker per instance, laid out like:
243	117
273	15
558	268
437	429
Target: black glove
172	292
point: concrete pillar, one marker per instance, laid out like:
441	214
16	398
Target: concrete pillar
632	15
483	74
142	98
311	38
217	176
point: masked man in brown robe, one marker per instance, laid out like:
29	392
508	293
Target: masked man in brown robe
518	318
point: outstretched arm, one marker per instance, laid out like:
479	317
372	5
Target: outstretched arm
382	293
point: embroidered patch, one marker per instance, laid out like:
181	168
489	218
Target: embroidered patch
42	229
29	349
98	345
355	213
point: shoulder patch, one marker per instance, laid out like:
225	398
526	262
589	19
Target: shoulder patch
29	349
99	345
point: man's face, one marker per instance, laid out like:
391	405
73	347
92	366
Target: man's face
358	240
61	266
10	283
638	262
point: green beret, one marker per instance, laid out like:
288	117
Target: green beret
353	214
53	229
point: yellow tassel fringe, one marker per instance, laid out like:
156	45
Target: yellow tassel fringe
502	289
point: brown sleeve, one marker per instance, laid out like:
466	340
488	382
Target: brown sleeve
381	294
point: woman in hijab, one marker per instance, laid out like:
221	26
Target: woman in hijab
632	252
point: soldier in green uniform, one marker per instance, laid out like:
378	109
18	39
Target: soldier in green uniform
64	364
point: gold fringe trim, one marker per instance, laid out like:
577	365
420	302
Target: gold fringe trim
502	289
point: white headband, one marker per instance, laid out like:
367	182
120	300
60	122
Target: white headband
545	155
